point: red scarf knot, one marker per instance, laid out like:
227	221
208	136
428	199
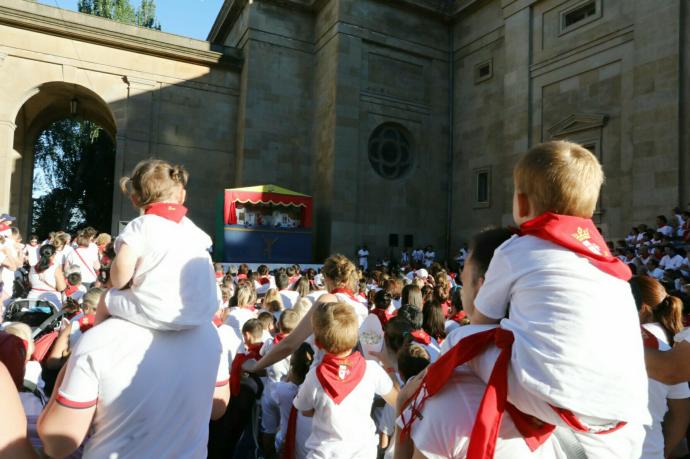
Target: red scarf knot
86	322
579	235
345	291
458	316
382	314
279	337
421	337
339	376
167	210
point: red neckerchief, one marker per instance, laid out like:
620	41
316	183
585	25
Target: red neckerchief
236	369
649	341
86	322
279	337
4	227
458	316
217	321
339	376
345	291
294	279
580	236
290	435
219	275
264	280
421	337
70	289
169	211
382	314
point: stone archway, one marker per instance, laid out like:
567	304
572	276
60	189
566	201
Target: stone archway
46	104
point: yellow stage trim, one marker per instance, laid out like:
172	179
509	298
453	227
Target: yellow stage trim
268	189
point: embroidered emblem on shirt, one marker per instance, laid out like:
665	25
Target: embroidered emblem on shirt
583	236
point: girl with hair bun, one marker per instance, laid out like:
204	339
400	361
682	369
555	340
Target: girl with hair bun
46	277
660	316
162	274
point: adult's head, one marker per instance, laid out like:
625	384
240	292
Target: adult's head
412	294
246	295
339	272
46	256
482	247
656	305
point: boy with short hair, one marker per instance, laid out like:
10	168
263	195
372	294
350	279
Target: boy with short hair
339	391
558	294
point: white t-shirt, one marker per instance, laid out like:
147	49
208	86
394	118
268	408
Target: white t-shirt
43	285
345	429
174	284
562	310
363	255
283	394
361	310
278	370
237	318
653	447
289	298
315	295
32	254
152	389
83	258
230	341
666	230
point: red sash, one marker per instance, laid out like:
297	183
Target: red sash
578	235
421	337
90	268
290	435
339	376
236	369
169	211
382	314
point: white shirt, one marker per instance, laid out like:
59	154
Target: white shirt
230	341
32	254
152	389
174	284
561	311
315	295
363	254
345	429
43	285
361	310
278	370
283	393
666	230
289	298
653	447
237	318
84	259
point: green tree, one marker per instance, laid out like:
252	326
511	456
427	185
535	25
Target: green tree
123	11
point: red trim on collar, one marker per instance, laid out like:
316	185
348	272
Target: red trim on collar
167	210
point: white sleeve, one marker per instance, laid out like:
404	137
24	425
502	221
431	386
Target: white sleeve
133	235
493	298
306	397
223	376
79	387
383	382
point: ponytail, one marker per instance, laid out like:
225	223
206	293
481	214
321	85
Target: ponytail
45	253
669	313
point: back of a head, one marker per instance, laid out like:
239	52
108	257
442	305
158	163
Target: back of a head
246	295
336	327
45	253
483	245
412	294
397	333
153	180
103	239
655	305
301	308
382	299
289	320
253	327
267	320
413	315
560	177
262	270
340	270
23	332
92	297
412	359
282	281
434	322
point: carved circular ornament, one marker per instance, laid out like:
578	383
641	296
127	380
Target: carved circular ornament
390	151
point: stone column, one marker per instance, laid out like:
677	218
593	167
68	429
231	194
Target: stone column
8	158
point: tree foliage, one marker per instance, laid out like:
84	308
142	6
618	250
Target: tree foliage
123	11
73	177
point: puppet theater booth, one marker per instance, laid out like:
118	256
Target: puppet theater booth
264	224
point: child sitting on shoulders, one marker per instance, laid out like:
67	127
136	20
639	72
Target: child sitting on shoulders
294	426
339	392
162	274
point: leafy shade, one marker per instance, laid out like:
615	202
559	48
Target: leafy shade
123	11
73	177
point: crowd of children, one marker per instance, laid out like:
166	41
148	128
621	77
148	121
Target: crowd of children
537	349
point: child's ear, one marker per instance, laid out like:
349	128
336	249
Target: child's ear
182	195
524	208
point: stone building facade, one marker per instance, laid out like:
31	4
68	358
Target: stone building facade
401	117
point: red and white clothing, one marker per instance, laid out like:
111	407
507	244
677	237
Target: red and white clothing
561	311
237	318
349	298
283	394
315	295
343	429
174	285
84	259
43	285
152	389
289	298
653	447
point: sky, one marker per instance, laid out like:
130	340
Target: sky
191	18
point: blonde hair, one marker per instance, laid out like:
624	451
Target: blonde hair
23	332
302	306
153	181
103	239
91	298
340	270
246	295
560	177
288	320
60	240
336	328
